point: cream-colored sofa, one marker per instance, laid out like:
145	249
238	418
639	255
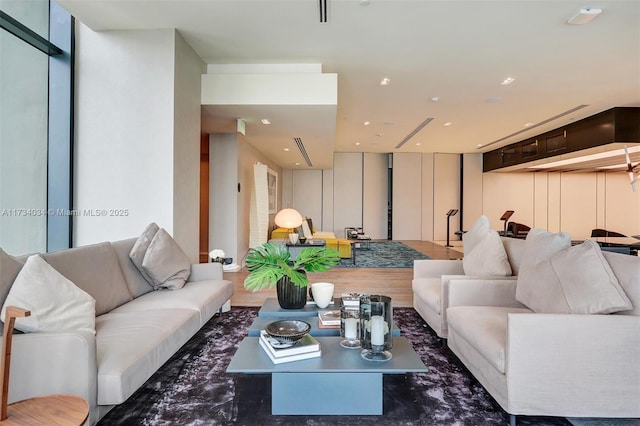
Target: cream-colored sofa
137	328
549	364
431	280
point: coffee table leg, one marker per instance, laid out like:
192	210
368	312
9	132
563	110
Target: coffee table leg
326	393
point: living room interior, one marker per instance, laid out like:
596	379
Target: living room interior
373	114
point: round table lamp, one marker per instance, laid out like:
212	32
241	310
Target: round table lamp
290	219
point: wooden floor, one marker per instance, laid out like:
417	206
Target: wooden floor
392	282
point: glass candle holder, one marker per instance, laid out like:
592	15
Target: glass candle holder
376	323
350	327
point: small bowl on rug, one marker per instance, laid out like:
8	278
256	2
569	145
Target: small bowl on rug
288	331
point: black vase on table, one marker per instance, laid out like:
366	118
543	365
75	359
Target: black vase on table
290	295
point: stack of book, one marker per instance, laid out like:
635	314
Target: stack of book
329	319
305	348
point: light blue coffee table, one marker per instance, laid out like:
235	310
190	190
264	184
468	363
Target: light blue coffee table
340	382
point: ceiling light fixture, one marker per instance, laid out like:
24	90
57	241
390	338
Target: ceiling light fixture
385	81
285	149
357	143
584	16
366	123
448	123
265	121
508	80
528	124
435	99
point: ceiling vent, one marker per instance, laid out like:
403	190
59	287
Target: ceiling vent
414	132
303	151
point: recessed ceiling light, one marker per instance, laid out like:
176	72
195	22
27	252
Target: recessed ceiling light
297	164
286	149
435	99
528	124
508	80
385	81
357	143
418	143
448	123
479	145
265	121
366	123
584	16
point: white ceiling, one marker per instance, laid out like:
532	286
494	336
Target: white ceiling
458	51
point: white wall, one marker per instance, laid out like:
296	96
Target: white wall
347	191
569	202
446	195
186	147
307	195
375	195
124	147
407	196
223	194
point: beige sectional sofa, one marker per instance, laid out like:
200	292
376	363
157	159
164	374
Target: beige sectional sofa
137	328
535	363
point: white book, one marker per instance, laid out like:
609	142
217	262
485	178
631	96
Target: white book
329	317
307	344
351	299
307	355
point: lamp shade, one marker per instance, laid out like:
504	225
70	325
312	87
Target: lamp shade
288	218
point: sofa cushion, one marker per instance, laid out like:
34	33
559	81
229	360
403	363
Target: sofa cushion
9	269
578	280
165	262
140	248
96	270
484	328
484	253
429	290
136	282
56	304
132	346
541	245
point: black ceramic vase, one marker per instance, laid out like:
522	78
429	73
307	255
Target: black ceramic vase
290	296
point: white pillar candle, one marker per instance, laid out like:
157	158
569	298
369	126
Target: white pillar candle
350	328
377	330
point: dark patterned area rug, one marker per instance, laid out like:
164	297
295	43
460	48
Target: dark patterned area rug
192	388
383	254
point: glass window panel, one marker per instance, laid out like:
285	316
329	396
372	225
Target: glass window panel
23	146
33	14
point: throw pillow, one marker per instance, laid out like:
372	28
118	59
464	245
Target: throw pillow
139	249
166	263
484	253
9	269
578	280
541	245
56	304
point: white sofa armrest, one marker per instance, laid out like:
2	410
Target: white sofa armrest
574	365
429	268
206	271
483	291
50	363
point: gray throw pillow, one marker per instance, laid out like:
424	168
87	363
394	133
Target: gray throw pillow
577	280
140	248
9	269
166	263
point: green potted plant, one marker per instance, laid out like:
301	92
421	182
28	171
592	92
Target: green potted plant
271	265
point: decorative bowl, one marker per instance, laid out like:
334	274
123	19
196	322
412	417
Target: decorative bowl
288	331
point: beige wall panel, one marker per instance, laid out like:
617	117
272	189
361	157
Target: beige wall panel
407	196
540	201
327	200
223	197
472	190
578	202
376	184
427	197
347	191
554	205
286	197
508	191
307	195
622	205
446	195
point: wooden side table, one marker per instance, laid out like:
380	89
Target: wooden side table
67	410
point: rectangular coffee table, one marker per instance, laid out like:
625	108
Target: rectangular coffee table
340	382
